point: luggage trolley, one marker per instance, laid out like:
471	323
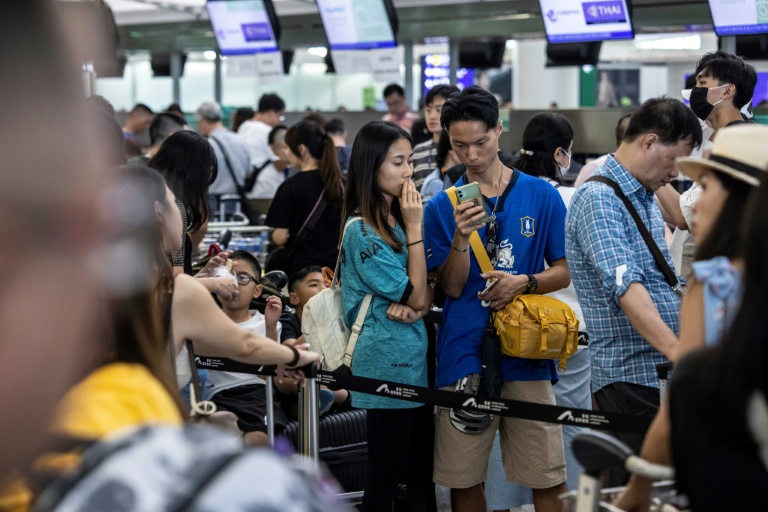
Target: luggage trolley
597	452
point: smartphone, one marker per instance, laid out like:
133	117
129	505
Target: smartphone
471	192
490	286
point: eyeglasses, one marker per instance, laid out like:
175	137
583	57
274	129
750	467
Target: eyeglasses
243	279
491	232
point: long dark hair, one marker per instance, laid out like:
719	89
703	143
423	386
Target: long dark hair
543	134
240	116
723	237
321	147
363	194
140	320
187	162
443	148
741	357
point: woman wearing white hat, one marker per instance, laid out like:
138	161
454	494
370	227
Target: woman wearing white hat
727	177
734	169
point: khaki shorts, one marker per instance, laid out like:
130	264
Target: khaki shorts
532	451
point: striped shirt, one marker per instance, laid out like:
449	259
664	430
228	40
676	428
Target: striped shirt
423	161
605	255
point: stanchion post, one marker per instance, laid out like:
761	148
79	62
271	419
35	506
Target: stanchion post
309	415
270	412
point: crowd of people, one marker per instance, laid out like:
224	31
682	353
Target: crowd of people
125	298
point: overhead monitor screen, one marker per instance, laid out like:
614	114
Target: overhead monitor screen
242	27
582	21
739	17
356	24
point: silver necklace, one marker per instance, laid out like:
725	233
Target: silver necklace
496	204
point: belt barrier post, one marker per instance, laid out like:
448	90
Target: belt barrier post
270	412
309	415
663	371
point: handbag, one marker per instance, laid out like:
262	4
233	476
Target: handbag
281	258
245	205
323	325
532	326
669	275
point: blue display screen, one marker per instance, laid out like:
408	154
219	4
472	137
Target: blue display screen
582	21
356	24
241	27
738	18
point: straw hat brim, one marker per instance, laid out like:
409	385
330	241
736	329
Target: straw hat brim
694	167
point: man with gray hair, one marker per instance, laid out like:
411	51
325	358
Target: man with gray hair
231	153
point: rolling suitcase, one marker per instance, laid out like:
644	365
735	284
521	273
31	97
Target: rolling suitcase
343	446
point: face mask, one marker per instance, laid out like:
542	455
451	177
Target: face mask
564	170
699	104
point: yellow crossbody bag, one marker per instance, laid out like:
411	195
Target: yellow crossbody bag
532	326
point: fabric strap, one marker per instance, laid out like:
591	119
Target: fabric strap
669	274
238	186
360	319
474	239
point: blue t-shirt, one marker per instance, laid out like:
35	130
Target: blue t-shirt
531	220
386	349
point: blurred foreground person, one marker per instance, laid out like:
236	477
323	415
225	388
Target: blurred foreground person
50	180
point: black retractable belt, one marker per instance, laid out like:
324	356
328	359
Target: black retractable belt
451	400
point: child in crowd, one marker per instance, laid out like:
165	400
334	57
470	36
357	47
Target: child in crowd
244	394
302	286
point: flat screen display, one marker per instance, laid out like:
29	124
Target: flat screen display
582	21
356	24
242	27
739	17
436	70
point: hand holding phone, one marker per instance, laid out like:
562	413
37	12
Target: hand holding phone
471	193
491	283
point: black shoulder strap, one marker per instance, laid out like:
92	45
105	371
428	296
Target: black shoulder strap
669	274
226	160
311	221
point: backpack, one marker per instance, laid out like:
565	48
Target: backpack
323	326
167	469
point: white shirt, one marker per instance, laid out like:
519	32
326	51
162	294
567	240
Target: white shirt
226	380
568	295
256	136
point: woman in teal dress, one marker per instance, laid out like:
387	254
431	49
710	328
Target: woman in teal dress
383	255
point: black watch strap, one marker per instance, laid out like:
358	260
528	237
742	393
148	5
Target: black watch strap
533	284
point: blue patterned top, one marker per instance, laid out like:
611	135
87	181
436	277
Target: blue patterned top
606	254
722	295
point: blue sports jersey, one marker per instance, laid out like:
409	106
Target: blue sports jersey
386	349
531	220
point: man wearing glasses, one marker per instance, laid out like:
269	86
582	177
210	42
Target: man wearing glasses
526	228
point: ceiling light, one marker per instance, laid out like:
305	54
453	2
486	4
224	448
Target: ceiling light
209	55
318	51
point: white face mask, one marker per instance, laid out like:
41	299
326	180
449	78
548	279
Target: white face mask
564	170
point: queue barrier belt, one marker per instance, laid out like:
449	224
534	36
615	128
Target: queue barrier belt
614	422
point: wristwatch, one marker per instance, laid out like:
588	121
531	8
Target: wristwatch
533	284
